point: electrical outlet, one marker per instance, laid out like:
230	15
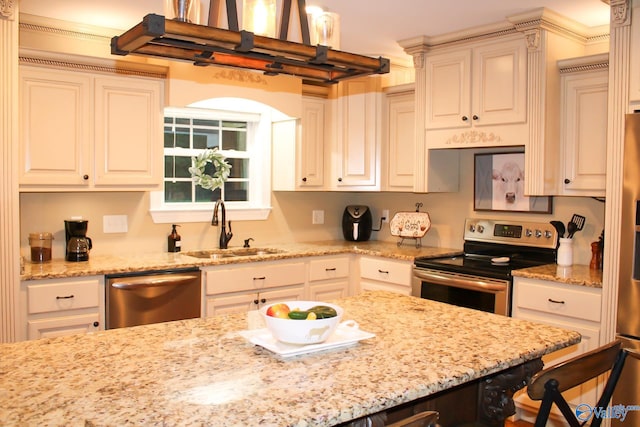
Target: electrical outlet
114	224
317	217
385	215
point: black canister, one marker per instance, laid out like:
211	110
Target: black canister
357	223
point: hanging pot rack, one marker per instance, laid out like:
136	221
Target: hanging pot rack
205	45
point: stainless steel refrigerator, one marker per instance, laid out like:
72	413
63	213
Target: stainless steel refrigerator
628	320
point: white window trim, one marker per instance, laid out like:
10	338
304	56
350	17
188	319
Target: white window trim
257	210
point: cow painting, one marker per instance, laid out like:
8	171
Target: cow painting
508	188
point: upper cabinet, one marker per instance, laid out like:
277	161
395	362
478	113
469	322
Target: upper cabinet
583	127
83	131
356	149
398	138
474	88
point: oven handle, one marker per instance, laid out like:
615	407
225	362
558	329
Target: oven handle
151	282
460	282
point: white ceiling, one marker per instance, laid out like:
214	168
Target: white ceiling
369	27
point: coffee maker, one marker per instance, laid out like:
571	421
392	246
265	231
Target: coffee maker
78	244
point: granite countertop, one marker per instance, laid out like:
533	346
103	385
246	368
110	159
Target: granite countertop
99	265
580	275
201	372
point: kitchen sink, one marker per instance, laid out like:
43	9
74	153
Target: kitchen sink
232	253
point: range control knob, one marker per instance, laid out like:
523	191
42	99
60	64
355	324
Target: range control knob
538	234
480	228
548	234
528	232
472	228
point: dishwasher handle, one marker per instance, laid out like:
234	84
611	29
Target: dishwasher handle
152	282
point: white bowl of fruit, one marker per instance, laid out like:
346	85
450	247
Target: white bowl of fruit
301	322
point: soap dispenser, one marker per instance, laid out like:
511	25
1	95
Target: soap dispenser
174	243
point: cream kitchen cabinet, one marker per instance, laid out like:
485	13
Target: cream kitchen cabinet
385	274
248	286
83	131
566	306
329	277
399	138
57	307
477	96
301	143
356	149
583	126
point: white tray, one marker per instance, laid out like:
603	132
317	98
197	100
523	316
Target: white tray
346	334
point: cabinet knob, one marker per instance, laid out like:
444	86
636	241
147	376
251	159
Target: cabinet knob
263	300
567	181
465	118
304	179
96	324
339	179
85	177
475	117
255	301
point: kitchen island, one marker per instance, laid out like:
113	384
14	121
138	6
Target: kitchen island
202	372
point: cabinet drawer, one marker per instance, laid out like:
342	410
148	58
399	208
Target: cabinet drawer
386	271
62	296
323	269
256	276
578	303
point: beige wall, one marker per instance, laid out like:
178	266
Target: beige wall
289	221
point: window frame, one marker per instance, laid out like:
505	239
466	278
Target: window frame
259	147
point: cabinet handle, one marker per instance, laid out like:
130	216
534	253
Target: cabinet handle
65	297
304	179
85	177
555	301
259	278
465	118
96	324
330	269
383	271
567	181
475	117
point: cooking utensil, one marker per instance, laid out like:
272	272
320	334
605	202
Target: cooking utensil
559	226
578	220
576	224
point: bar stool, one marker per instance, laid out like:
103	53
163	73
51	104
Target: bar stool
548	384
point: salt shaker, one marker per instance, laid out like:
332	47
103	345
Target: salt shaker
565	252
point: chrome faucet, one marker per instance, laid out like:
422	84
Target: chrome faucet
224	236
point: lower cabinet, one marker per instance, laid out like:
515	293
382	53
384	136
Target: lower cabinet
385	274
329	278
569	307
57	307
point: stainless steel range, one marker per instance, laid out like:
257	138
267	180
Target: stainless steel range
480	277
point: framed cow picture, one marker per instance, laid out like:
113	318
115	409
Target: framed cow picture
499	185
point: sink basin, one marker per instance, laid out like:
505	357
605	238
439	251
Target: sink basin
231	253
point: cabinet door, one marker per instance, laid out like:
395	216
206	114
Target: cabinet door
329	291
310	147
448	90
400	141
128	134
290	293
357	145
64	325
499	86
584	133
55	127
227	304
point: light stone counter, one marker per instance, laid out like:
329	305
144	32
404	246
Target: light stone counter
99	265
580	275
200	372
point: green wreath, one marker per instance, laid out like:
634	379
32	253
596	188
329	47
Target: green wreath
219	163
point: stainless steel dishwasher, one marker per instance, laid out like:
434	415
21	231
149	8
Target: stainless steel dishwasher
152	297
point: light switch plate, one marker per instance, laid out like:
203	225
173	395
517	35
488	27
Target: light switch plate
115	224
317	217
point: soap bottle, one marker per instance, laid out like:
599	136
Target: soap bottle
174	243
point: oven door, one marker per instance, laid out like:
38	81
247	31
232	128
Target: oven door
464	290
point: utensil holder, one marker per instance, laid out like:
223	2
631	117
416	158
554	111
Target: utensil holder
565	252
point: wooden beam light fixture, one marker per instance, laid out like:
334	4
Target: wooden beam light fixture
205	45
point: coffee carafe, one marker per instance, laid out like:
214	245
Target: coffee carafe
78	244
